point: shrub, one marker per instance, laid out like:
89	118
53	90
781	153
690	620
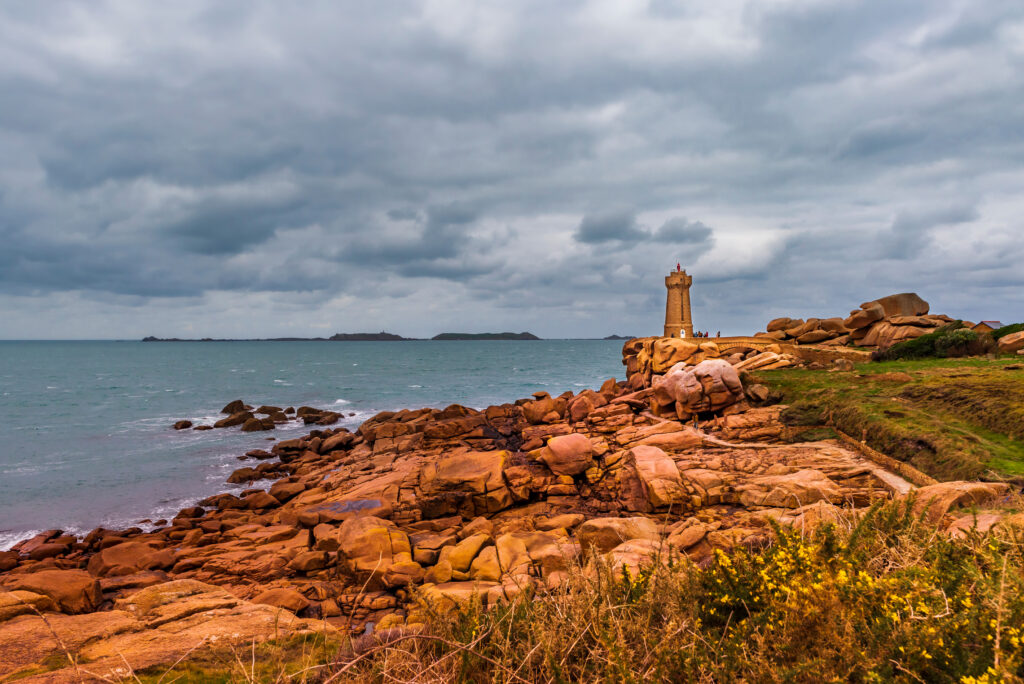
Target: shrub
955	342
1006	330
949	340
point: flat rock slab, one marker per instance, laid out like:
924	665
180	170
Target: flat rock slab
154	627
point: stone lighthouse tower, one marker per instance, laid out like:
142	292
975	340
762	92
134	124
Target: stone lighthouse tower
678	322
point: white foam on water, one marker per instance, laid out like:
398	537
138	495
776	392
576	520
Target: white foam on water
293	425
10	538
25	469
342	401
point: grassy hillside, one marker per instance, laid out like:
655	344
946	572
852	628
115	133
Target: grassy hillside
951	418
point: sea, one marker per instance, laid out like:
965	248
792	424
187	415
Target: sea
85	427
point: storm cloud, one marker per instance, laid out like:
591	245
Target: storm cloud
254	168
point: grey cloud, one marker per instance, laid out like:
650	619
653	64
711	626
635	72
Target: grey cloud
390	155
611	226
438	246
220	227
439	217
882	137
909	233
619	229
404	214
683	231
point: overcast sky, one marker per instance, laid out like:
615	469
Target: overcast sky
252	168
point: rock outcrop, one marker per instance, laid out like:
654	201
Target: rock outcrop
1014	342
431	508
157	625
879	323
240	414
648	360
711	385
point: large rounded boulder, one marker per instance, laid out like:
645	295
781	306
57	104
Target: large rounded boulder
711	385
1012	342
903	304
73	591
567	454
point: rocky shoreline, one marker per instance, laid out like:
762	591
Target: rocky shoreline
418	511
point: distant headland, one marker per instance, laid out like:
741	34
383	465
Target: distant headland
359	337
486	336
367	337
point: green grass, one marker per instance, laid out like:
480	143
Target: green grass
955	419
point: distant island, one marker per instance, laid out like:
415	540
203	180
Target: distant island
486	336
619	337
337	337
367	337
359	337
211	339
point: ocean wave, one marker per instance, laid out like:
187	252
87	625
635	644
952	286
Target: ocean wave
293	425
9	538
342	401
25	469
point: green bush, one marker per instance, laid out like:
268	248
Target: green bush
955	342
949	340
1006	330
